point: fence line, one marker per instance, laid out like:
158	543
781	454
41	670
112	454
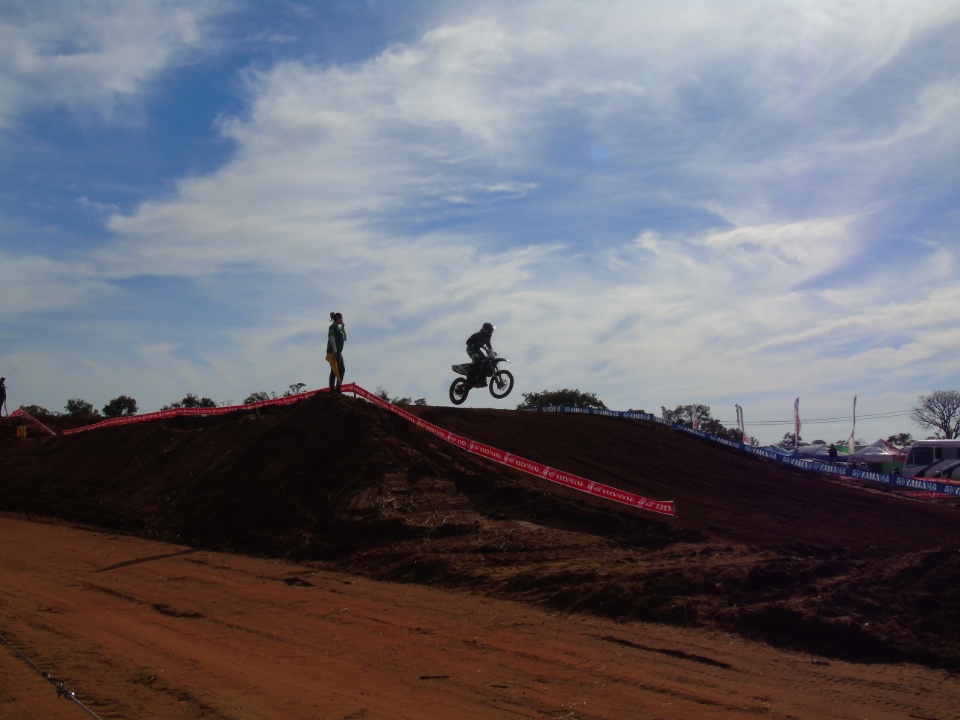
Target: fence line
61	685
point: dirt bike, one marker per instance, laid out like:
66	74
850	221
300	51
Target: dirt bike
501	381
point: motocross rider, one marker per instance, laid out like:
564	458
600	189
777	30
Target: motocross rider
475	345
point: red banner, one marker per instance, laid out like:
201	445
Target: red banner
664	507
27	416
200	411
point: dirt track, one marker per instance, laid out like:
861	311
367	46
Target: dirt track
353	495
147	630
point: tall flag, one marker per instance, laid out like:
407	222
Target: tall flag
796	422
850	443
743	431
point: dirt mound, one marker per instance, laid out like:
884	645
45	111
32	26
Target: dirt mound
795	559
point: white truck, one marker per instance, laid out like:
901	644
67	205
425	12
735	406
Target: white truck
933	459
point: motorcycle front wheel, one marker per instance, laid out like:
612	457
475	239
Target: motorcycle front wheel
459	391
500	384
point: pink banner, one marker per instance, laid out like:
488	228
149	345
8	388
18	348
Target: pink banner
20	412
178	412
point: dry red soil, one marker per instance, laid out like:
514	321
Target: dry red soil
330	559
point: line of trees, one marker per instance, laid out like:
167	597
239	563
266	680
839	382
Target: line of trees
938	411
125	405
79	408
681	415
565	397
384	395
684	414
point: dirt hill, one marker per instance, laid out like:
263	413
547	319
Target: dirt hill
796	559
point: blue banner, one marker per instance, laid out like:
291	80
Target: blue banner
895	481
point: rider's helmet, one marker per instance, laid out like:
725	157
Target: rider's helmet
487	329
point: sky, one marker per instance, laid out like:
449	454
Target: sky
659	202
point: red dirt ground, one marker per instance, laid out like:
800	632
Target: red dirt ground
335	495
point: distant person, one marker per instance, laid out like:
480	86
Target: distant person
336	337
832	452
3	394
475	346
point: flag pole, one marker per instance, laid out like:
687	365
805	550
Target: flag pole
851	445
796	424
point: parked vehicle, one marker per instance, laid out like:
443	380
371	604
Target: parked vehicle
933	459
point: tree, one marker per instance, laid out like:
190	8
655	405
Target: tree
120	406
190	401
940	410
714	427
37	411
383	395
76	407
568	398
258	397
295	389
901	439
788	442
683	415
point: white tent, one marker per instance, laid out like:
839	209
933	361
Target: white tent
820	453
878	452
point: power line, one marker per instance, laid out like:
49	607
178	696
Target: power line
821	421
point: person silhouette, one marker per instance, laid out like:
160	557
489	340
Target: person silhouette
336	337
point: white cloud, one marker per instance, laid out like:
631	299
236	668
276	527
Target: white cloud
97	207
92	56
33	284
657	202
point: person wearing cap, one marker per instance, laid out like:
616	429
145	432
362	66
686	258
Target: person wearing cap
475	346
336	337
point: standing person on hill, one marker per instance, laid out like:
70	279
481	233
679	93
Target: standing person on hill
475	345
336	337
3	394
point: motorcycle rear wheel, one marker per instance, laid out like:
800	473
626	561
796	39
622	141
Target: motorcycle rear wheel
500	384
459	391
